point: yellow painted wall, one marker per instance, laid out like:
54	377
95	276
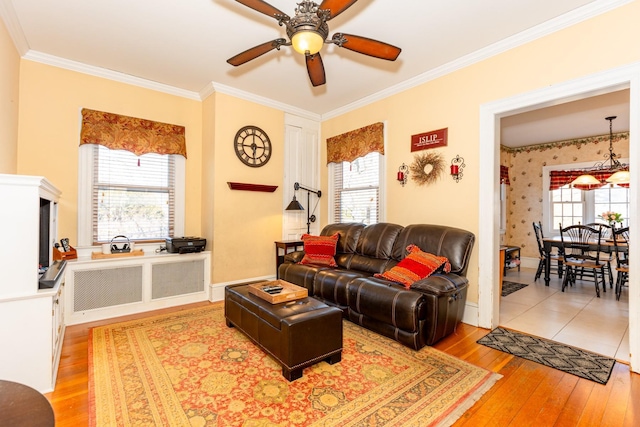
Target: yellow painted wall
51	99
453	101
9	84
245	223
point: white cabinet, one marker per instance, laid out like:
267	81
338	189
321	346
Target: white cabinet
32	319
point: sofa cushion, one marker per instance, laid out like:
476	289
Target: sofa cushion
375	247
349	233
415	266
319	249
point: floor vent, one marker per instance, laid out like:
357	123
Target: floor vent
106	287
177	278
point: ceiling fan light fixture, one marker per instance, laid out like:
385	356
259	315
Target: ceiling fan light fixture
307	41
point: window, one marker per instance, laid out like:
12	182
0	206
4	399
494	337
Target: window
357	190
124	194
570	206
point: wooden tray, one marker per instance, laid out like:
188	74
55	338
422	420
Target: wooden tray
59	255
289	292
100	255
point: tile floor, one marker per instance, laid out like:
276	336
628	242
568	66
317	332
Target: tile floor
574	317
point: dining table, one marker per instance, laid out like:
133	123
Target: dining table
606	245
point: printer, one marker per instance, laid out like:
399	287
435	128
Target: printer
185	245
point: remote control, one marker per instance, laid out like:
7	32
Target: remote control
272	289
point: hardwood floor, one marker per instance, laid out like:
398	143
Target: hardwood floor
529	394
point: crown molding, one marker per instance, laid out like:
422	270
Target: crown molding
569	19
104	73
267	102
8	15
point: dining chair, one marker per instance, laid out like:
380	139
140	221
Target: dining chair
621	236
543	254
606	232
581	245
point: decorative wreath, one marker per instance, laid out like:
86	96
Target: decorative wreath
426	168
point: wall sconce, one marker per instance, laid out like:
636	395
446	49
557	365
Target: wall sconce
457	166
296	206
403	174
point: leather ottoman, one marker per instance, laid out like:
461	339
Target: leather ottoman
296	333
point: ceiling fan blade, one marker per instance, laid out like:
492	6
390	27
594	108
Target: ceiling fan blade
264	7
315	68
255	51
367	46
336	6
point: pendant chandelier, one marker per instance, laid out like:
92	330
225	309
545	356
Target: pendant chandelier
620	172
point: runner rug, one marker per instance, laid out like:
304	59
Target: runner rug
572	360
511	287
189	369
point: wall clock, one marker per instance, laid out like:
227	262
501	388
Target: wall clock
253	146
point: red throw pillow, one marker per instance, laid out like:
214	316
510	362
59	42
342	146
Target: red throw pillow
415	266
320	249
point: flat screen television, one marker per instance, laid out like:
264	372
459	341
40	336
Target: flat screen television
48	269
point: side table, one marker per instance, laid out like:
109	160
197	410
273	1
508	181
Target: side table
286	246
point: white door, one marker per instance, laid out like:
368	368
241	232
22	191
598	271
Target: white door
301	165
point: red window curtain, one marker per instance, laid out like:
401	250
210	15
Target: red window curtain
560	178
504	175
138	136
357	143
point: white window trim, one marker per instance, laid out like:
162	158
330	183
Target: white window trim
85	174
547	227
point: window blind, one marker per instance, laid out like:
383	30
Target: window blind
132	195
357	190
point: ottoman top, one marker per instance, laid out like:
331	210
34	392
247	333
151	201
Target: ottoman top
271	313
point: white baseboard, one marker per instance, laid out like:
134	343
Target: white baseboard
470	316
216	290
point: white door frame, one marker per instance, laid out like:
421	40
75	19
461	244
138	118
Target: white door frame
489	190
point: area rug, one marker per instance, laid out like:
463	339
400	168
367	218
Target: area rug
511	287
189	369
572	360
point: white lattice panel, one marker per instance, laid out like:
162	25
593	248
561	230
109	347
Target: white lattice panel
107	287
177	278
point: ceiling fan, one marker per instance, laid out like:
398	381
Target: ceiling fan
308	32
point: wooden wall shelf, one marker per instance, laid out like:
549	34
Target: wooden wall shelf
252	187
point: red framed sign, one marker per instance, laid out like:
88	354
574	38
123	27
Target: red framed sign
433	139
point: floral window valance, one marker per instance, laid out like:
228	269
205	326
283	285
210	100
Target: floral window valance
357	143
504	175
560	178
138	136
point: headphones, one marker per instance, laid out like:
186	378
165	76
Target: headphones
126	246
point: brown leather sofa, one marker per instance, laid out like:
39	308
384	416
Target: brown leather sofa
415	317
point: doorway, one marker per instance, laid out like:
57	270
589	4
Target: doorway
489	218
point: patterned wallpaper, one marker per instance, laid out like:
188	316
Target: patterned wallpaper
524	195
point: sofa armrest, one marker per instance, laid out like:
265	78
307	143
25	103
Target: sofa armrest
440	284
294	257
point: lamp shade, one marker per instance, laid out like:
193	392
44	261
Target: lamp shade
620	177
586	180
294	205
307	41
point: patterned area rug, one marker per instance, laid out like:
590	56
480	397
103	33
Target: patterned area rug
189	369
511	287
572	360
